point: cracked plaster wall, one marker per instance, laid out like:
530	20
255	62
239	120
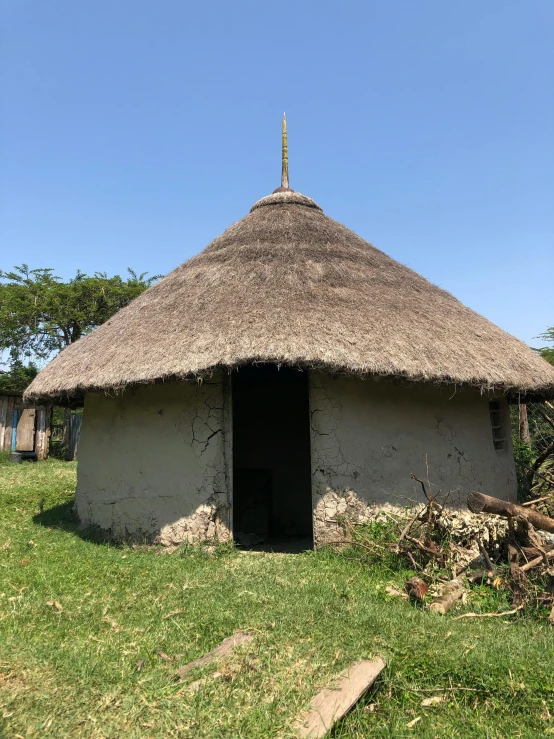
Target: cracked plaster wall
152	463
369	435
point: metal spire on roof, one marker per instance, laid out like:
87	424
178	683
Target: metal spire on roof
285	155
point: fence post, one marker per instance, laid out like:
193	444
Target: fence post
524	434
43	431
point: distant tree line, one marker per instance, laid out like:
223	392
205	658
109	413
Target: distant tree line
40	314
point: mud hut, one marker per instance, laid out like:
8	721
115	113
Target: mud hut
287	375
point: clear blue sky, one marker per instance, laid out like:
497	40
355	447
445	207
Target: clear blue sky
133	133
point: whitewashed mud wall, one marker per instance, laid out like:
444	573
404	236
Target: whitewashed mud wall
368	436
152	463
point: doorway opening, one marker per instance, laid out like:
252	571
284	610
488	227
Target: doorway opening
272	485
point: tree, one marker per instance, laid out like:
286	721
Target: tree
40	314
17	378
547	352
533	438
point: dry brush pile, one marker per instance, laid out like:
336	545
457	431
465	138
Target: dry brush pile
498	544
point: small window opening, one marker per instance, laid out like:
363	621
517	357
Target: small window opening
497	424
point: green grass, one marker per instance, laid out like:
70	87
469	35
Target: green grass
73	672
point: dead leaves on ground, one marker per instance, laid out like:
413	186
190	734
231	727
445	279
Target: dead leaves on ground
433	701
55	604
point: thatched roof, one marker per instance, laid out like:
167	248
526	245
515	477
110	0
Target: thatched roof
287	284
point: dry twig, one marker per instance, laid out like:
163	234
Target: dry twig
537	561
429	497
407	527
484	554
537	500
424	548
489	615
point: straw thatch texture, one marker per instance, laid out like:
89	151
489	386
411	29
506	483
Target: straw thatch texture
288	284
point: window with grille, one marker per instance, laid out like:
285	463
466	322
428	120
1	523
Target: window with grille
497	424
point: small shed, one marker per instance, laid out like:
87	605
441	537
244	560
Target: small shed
24	427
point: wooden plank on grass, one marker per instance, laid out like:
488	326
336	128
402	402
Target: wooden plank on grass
332	703
222	650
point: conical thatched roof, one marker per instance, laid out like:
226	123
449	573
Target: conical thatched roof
287	284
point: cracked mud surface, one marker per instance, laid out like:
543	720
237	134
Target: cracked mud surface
152	464
156	464
368	437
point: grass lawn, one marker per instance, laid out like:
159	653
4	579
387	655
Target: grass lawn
76	616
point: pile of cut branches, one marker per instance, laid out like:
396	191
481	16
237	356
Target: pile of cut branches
496	543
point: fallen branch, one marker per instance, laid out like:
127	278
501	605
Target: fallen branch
480	503
485	555
220	652
480	575
537	500
537	561
410	556
488	615
443	690
453	591
423	548
531	552
408	526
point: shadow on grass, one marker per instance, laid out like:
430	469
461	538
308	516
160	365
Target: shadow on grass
63	517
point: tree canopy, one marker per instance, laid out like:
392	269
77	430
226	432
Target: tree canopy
40	314
16	379
547	352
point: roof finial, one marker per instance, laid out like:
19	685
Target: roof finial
285	155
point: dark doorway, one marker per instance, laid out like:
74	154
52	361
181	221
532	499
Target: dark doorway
272	494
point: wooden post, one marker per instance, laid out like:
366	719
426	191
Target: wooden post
9	423
39	436
3	408
43	432
524	434
67	432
